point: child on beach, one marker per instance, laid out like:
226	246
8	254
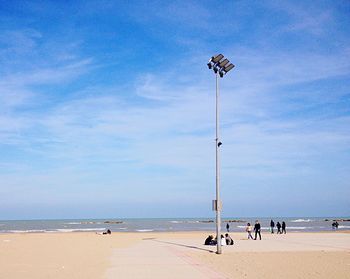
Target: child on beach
249	229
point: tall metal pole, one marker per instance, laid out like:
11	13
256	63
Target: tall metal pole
218	201
220	66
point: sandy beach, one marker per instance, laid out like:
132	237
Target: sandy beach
173	255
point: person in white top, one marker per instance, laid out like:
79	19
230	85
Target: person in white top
249	229
223	241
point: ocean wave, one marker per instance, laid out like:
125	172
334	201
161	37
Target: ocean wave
344	227
23	231
243	227
176	222
301	220
145	230
72	223
80	230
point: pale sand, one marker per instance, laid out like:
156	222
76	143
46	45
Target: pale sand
172	255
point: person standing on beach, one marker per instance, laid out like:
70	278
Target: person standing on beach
283	227
278	227
228	227
257	229
249	229
272	225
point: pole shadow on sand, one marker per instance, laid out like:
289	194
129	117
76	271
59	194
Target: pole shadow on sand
179	244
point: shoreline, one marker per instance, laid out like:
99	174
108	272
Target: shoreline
263	232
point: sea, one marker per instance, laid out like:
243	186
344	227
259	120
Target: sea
294	224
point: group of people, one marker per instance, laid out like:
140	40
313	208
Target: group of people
278	226
225	240
257	229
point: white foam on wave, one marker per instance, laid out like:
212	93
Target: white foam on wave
72	223
243	227
23	231
176	222
301	220
344	227
80	230
145	230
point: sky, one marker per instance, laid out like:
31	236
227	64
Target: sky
107	108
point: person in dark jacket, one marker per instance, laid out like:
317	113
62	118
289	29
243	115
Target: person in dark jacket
283	227
229	240
209	240
227	227
278	227
257	229
272	226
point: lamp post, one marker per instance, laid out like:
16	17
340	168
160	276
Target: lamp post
220	66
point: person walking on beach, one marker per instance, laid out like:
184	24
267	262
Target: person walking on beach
249	229
228	227
283	227
257	229
278	225
272	225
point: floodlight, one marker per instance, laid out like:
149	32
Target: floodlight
210	65
223	63
217	58
229	67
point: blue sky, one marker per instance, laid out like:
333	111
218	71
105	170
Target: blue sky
107	108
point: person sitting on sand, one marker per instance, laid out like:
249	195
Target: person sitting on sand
333	225
249	229
106	232
209	240
229	240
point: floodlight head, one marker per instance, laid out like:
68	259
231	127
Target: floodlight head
221	73
228	67
215	70
210	65
217	58
223	63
